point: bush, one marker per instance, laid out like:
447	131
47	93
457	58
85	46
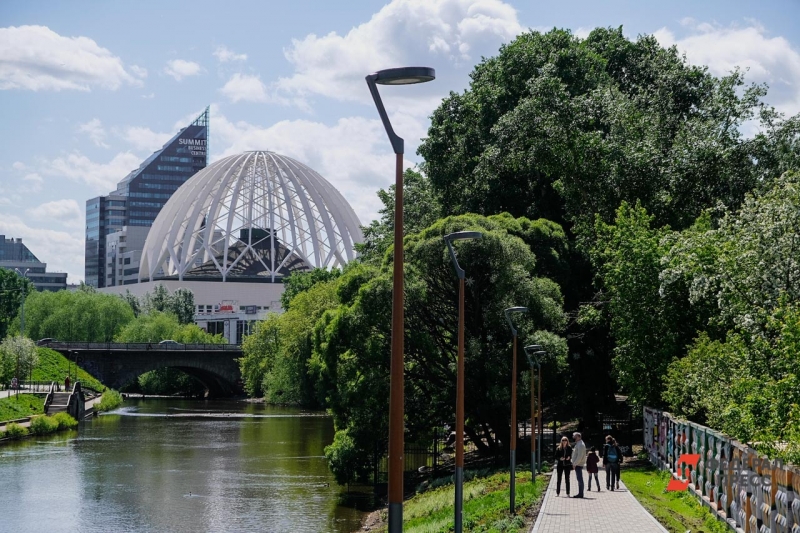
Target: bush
65	421
110	400
42	425
15	431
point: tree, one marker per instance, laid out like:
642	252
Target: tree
13	288
180	303
156	326
300	281
17	355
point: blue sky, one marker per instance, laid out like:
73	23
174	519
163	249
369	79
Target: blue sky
89	89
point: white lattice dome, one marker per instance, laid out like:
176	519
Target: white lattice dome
250	217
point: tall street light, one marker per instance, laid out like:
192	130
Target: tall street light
513	444
532	352
21	320
459	473
396	76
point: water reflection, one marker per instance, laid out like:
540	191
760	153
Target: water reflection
172	465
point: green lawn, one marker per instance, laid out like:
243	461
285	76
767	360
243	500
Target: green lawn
21	406
53	367
485	505
677	511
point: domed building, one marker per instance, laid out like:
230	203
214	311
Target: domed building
237	228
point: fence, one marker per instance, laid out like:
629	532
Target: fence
750	492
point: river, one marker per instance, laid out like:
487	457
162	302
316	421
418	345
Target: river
165	465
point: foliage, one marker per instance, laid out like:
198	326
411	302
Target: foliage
156	326
65	421
82	315
20	406
16	353
15	431
53	367
345	459
167	381
300	281
180	303
13	288
110	400
43	424
676	511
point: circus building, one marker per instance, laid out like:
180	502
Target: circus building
236	229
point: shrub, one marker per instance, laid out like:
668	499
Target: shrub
15	431
65	421
42	425
110	400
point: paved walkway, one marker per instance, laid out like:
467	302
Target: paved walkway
603	512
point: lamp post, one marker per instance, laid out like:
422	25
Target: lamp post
513	444
21	321
532	352
396	76
459	472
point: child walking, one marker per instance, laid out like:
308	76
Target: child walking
591	467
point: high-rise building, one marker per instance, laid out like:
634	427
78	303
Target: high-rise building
14	255
142	193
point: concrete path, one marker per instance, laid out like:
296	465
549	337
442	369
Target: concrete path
597	512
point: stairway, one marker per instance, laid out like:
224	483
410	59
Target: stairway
59	404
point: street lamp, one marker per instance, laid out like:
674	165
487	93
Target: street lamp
459	472
513	444
396	76
532	352
21	320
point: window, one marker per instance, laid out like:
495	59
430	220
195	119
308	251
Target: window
174	159
174	168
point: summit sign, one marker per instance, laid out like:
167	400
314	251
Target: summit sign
196	146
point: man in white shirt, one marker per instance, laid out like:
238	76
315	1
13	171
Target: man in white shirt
578	461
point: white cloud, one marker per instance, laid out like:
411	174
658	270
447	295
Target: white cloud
94	129
770	60
37	58
31	183
404	32
139	71
62	251
101	177
64	211
180	68
243	87
224	55
19	165
149	96
144	138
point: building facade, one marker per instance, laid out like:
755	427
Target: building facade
123	252
14	255
141	195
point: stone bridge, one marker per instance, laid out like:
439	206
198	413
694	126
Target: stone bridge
118	364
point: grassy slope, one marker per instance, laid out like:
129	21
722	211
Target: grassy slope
485	506
20	406
53	367
677	511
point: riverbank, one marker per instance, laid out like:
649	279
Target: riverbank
486	501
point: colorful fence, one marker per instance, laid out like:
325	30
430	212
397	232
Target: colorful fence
750	492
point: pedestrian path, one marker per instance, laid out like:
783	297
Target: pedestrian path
596	512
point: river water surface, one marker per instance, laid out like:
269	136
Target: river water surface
172	466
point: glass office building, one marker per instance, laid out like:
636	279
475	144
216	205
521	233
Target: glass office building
14	255
142	193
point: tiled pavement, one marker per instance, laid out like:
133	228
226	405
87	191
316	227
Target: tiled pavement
597	512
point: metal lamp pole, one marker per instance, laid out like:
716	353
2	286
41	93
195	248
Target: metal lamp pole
532	352
513	444
21	321
459	472
396	76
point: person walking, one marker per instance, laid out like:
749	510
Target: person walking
66	383
606	464
614	458
578	461
591	467
563	464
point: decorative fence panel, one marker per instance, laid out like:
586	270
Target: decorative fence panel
750	492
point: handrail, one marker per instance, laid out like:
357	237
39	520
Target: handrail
146	346
49	398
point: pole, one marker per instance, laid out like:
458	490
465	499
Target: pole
540	417
396	408
512	486
534	423
459	473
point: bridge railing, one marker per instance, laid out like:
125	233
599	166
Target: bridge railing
746	489
143	346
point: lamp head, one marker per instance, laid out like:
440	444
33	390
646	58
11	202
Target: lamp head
508	316
404	75
461	235
531	348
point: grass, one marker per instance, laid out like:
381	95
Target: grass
676	511
53	367
14	431
110	400
21	406
485	505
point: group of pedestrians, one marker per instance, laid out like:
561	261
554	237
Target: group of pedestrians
569	457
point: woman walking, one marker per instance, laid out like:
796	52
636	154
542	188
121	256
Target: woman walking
563	464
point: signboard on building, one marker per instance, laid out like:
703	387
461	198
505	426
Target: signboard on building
227	306
250	309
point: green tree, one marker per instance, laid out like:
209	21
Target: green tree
13	288
180	303
300	281
17	355
156	326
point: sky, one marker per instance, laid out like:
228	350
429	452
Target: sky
89	89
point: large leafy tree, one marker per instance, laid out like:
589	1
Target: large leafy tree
13	288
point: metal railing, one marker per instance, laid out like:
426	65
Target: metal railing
143	346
